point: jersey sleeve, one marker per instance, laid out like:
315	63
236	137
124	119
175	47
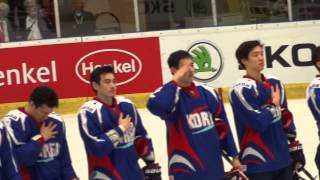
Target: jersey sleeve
286	115
65	160
218	110
22	145
314	103
97	141
163	101
244	102
9	166
141	132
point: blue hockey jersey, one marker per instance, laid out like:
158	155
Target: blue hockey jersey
194	149
313	97
8	166
111	153
39	160
263	140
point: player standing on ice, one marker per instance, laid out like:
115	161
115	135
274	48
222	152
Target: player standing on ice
313	97
39	139
197	125
113	133
8	166
264	123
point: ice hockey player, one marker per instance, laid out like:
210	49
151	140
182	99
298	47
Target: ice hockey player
39	138
197	125
313	97
265	127
113	133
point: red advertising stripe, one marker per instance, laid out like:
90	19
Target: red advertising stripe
67	67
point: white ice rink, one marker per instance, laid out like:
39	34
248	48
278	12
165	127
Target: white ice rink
306	127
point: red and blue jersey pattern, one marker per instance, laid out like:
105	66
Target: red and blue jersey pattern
313	98
262	137
107	160
8	166
38	160
194	148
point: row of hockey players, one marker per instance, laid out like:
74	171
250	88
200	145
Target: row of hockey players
34	146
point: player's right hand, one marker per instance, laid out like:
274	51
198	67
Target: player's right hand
152	171
124	122
184	75
48	132
297	155
276	95
237	164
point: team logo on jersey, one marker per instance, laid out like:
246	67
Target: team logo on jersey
127	66
129	135
200	121
49	151
207	61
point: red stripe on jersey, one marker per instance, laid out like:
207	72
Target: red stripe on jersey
25	174
103	162
255	138
179	141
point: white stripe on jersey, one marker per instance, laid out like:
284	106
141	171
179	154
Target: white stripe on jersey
7	123
12	159
84	125
250	151
310	92
176	98
182	160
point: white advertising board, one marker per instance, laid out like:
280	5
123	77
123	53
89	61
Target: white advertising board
287	52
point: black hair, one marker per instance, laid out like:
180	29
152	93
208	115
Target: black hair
96	73
316	57
175	58
244	49
43	95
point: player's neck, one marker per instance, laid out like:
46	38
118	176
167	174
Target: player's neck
185	84
254	74
30	111
106	100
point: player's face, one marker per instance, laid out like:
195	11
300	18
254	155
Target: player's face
107	86
2	14
41	113
187	63
32	11
255	61
78	5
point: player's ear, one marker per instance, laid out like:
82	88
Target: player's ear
31	104
244	61
318	64
95	86
173	70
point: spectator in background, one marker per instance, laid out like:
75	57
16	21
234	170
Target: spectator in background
36	28
5	26
47	10
79	22
17	8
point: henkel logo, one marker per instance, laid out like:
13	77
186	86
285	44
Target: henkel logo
127	66
207	61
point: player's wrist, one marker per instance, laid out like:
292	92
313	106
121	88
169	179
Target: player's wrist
275	110
39	138
122	128
235	157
